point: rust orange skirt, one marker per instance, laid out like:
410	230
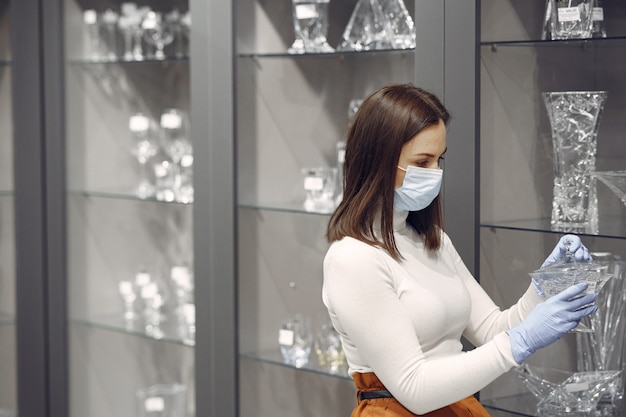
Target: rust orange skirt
390	407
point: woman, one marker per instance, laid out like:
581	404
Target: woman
395	287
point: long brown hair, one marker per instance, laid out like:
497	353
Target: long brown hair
387	119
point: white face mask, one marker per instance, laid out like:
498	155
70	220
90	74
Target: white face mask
419	188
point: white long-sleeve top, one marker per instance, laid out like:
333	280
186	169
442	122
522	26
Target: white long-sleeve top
404	320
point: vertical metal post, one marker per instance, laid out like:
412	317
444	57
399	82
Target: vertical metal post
39	208
447	63
213	133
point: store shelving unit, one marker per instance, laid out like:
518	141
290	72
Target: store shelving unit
516	164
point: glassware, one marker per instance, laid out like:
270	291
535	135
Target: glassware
129	295
574	121
109	24
571	19
564	393
174	126
400	22
143	149
368	28
557	277
615	180
182	278
162	400
330	354
603	349
174	19
310	21
90	19
157	33
129	25
295	339
320	184
153	302
598	30
341	159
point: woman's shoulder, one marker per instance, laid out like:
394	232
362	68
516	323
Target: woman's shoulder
353	249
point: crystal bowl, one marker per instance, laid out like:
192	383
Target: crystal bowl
565	393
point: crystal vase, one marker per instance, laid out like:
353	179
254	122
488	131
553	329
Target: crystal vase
574	120
571	19
368	28
604	348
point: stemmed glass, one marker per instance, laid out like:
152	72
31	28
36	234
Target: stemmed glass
109	23
129	295
174	19
129	24
143	149
177	146
90	19
157	33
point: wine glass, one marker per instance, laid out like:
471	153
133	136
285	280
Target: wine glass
176	144
157	33
144	147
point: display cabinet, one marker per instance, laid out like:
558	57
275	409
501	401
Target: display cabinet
106	208
8	398
292	111
129	159
517	162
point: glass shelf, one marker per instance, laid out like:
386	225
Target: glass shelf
290	207
121	194
558	43
274	357
610	227
336	54
6	193
167	60
116	323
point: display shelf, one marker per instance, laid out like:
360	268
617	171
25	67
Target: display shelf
116	323
610	40
121	194
610	227
274	357
167	60
289	207
335	54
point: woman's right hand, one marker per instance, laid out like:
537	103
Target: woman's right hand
550	320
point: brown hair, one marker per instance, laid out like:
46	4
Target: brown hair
387	119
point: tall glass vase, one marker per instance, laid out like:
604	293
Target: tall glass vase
574	120
604	348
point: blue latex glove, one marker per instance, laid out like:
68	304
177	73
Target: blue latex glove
576	247
550	320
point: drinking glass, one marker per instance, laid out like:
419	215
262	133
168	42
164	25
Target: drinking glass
162	400
320	184
310	21
157	33
109	24
571	19
90	19
176	143
295	339
129	294
144	147
330	354
598	30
